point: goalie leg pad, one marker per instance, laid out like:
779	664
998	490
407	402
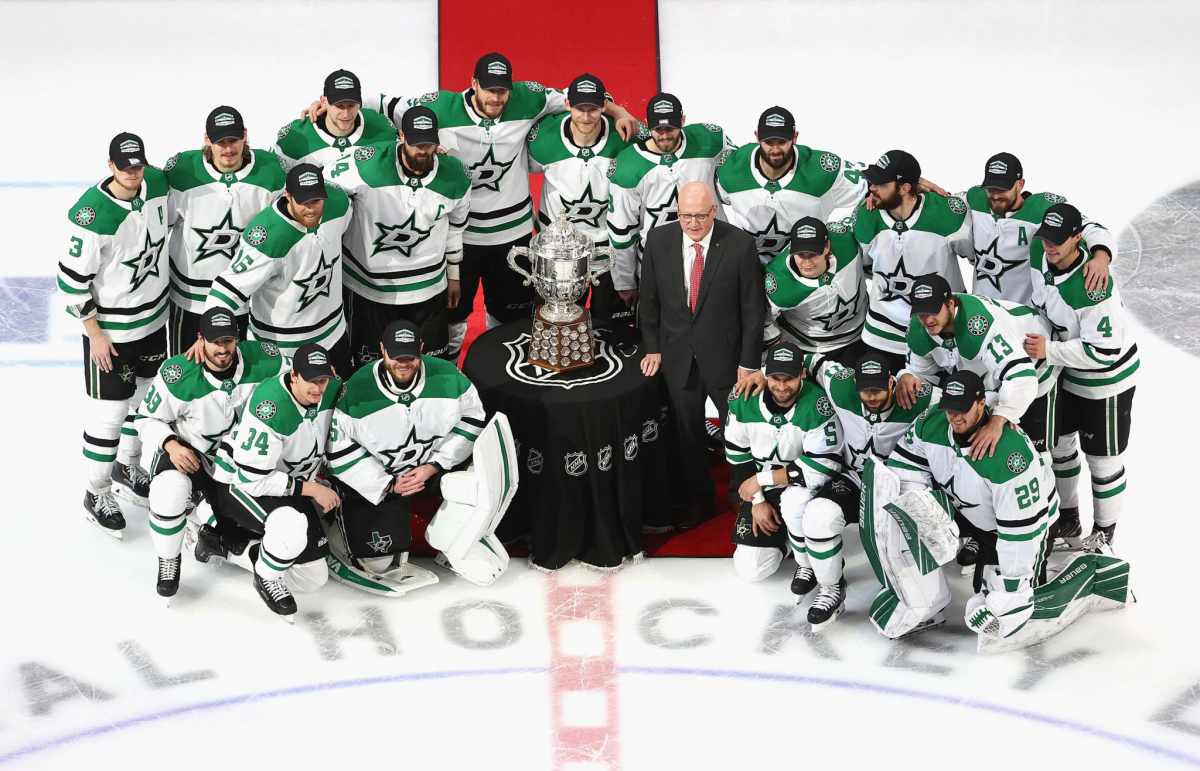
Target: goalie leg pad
754	563
393	583
928	526
169	494
101	437
306	577
483	564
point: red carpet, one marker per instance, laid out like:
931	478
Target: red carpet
552	43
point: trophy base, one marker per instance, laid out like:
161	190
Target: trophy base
562	345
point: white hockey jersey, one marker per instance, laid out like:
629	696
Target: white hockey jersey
576	178
492	151
289	276
303	141
278	443
112	262
1091	339
818	184
200	406
380	431
403	225
645	192
1010	493
989	340
209	210
897	252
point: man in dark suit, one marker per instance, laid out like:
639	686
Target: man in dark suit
701	316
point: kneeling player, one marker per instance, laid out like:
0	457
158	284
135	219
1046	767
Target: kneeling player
188	410
268	469
402	422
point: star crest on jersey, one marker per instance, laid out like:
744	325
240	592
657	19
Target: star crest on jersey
829	162
771	283
990	266
145	265
771	239
316	284
898	283
222	239
431	96
1017	463
269	349
364	153
977	324
171	373
214	439
401	238
408	453
1053	198
724	156
85	216
956	204
265	410
843	373
380	543
283	132
587	209
533	85
958	502
170	164
668	212
824	407
714	128
1096	295
257	235
305	465
612	168
838	226
488	172
842	312
924	390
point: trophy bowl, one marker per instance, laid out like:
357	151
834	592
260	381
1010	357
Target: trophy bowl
563	262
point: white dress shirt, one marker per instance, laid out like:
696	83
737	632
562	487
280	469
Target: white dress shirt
689	256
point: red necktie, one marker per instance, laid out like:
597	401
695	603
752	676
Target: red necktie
697	273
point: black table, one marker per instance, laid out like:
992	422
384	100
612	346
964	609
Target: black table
591	445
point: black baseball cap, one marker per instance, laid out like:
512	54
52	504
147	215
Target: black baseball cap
776	123
808	236
1002	171
343	86
224	123
305	183
127	150
402	338
1060	222
929	293
311	362
218	324
785	359
894	165
586	89
960	391
494	71
872	373
664	110
420	126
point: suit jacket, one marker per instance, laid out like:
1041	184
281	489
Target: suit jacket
726	329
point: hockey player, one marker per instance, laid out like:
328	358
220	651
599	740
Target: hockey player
1003	218
576	151
647	179
215	192
816	293
111	278
401	423
188	411
287	269
790	435
949	332
268	474
1096	348
905	234
344	123
403	251
767	185
485	127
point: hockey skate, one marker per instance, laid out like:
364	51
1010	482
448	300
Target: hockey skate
937	620
966	556
275	592
829	603
1070	531
103	512
1100	540
168	577
212	545
803	582
131	483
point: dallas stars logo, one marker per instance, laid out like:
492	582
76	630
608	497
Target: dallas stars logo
402	238
859	457
222	239
898	283
958	502
668	212
214	439
305	465
317	283
770	239
990	266
408	453
488	172
586	209
145	265
844	311
380	544
127	374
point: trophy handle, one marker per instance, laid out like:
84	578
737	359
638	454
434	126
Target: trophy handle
597	268
512	262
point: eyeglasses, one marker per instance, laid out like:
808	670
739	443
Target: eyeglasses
695	217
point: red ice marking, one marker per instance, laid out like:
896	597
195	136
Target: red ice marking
583	676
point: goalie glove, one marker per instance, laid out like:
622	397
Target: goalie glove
1002	608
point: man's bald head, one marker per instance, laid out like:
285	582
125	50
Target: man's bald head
697	210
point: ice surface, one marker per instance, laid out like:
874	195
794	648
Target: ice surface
670	662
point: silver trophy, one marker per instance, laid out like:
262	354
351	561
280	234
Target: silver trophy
563	262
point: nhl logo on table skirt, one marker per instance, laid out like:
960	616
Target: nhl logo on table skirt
649	430
535	461
631	447
604	458
606	366
575	463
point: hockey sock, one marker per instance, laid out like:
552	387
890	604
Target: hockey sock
284	538
1108	488
129	453
458	333
101	436
1066	470
825	555
169	493
799	550
823	526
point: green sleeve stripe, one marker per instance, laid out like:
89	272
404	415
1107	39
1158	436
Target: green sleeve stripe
807	461
893	463
738	457
63	286
1087	348
1097	382
1022	373
1022	536
217	294
344	466
126	431
460	432
225	466
177	289
885	335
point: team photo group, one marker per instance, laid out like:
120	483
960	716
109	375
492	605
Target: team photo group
272	340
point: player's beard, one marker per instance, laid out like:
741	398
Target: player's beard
124	184
669	145
1001	206
416	163
781	162
887	204
218	365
